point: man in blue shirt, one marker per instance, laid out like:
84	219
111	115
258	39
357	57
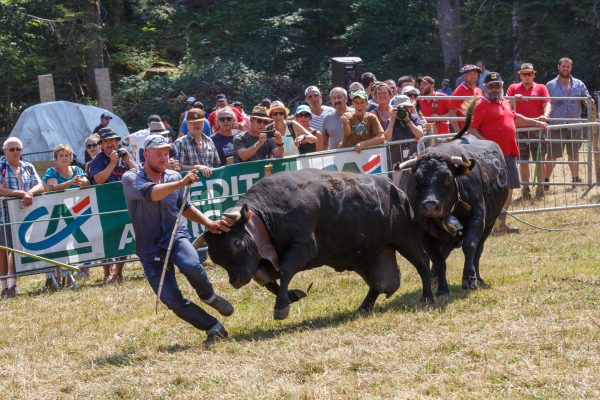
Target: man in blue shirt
564	85
154	195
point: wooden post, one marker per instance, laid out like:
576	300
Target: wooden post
103	87
46	86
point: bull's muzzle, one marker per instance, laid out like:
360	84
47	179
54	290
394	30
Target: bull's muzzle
431	208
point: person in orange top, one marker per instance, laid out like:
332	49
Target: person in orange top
539	109
495	120
468	87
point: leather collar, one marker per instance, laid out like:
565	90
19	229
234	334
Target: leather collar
257	229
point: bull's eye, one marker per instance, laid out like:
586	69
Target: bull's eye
238	244
449	180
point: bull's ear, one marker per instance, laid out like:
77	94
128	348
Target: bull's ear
466	166
245	214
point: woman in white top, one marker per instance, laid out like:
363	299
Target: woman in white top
296	139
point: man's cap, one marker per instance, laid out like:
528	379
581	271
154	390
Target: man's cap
410	89
156	142
493	77
153	117
221	97
445	81
312	90
107	133
402	100
198	104
278	105
195	114
191	100
238	104
106	115
526	67
428	79
468	68
359	93
302	108
158	128
260	112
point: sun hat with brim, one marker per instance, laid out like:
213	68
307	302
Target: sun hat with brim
158	128
156	142
107	133
526	67
469	68
493	77
410	89
278	105
402	100
195	114
260	112
359	93
302	108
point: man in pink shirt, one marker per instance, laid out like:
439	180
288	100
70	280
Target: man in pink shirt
468	87
538	109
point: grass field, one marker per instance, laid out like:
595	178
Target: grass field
534	333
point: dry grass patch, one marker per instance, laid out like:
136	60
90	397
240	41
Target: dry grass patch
533	333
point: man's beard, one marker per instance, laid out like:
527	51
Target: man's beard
427	92
494	97
564	74
156	168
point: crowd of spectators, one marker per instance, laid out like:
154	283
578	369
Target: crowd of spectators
366	113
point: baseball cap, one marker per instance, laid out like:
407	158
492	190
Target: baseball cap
221	97
302	108
195	114
428	79
468	68
493	77
410	89
107	133
156	142
106	115
359	93
445	81
312	89
191	100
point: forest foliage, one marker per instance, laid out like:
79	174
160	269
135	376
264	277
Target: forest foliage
267	48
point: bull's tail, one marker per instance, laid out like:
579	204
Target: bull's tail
468	108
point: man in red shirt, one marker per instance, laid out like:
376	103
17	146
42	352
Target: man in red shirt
434	108
468	87
495	120
539	109
221	102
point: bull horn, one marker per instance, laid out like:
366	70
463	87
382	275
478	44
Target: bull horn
233	213
457	161
405	165
200	240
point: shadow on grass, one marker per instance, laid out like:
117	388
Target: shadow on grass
408	302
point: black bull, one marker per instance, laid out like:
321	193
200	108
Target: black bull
295	221
462	180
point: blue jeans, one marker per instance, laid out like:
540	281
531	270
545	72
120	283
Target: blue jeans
190	264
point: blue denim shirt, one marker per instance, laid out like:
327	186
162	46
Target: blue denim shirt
566	108
152	221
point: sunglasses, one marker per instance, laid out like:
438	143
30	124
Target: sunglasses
526	74
158	140
13	149
261	121
91	145
412	95
303	115
223	119
278	113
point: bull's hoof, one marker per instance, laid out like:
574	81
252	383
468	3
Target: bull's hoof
442	292
469	284
427	299
365	308
281	313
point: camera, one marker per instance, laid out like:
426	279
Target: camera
270	134
121	153
402	113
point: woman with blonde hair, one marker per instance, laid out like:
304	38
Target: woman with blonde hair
64	175
296	138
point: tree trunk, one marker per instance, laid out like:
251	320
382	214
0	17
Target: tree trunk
517	35
93	53
448	15
117	12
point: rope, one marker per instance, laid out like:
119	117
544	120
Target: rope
536	226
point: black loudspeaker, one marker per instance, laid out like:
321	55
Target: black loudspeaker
345	70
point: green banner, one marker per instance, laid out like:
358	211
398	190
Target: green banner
82	225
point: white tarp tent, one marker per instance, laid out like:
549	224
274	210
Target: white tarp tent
43	126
